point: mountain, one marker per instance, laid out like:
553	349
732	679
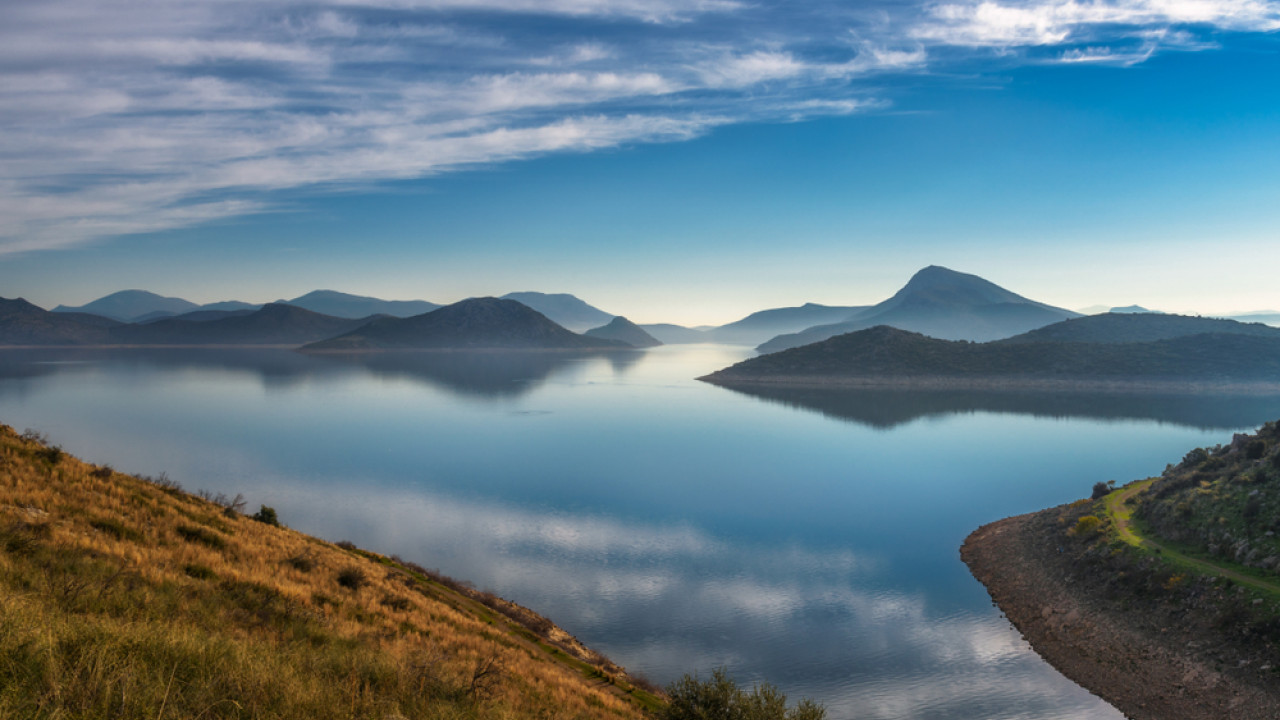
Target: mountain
1132	309
22	323
1138	327
886	356
669	334
563	309
337	304
274	324
1269	317
128	305
473	324
765	324
944	304
623	330
196	316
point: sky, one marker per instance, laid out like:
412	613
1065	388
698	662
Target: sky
684	161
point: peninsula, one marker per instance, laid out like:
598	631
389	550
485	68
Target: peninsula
1163	596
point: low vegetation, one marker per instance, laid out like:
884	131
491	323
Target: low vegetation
1196	546
126	597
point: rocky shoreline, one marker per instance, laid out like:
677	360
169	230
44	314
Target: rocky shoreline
1152	660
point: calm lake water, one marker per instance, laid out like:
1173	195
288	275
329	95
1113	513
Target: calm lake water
809	539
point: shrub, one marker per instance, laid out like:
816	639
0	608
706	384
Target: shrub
352	578
1086	527
1255	449
266	515
116	529
720	697
1101	489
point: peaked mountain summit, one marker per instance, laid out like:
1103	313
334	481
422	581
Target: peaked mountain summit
473	324
943	304
624	330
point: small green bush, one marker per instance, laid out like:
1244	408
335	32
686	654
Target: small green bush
1086	527
267	515
720	698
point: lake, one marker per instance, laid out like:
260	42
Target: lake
805	538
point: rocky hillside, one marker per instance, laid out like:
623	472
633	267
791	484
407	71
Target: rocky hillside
1223	501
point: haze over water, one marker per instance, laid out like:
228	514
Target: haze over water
811	541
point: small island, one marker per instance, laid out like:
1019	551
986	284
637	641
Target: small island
1162	596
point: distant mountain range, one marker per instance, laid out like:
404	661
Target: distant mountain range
940	303
476	323
1166	348
132	305
22	323
274	324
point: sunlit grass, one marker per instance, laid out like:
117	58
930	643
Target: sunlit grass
124	598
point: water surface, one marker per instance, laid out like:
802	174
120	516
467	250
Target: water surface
810	540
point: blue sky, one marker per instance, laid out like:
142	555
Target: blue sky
671	160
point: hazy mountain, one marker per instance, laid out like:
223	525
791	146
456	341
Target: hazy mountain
128	305
669	334
476	323
765	324
197	316
1269	317
884	354
1138	327
22	323
274	324
1132	309
563	309
944	304
624	330
343	305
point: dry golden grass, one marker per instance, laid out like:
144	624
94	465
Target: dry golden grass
123	598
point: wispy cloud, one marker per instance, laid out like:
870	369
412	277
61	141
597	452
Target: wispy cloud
160	115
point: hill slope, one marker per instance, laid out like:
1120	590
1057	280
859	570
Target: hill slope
1116	327
944	304
477	323
274	324
563	309
623	330
759	327
22	323
122	597
343	305
885	355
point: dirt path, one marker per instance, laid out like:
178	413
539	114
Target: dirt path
1122	517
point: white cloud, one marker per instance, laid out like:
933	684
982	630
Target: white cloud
163	114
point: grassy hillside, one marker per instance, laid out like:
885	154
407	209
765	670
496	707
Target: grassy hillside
126	597
1223	501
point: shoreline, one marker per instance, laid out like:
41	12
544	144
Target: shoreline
1172	386
1148	663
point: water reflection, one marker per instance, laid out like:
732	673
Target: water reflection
889	408
472	374
675	596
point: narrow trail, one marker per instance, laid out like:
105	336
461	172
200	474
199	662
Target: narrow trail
1122	517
